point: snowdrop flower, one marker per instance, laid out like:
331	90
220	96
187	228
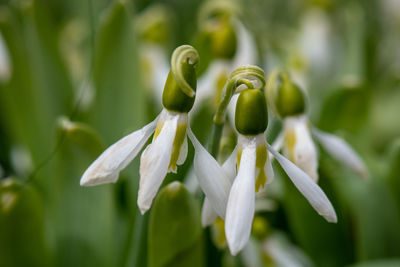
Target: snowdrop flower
230	45
169	145
254	168
287	101
153	25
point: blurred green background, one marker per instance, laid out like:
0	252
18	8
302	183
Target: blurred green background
72	83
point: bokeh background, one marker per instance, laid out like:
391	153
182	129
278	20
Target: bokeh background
72	83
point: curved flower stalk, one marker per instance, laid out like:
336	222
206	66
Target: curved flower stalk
169	146
287	101
254	168
231	46
154	28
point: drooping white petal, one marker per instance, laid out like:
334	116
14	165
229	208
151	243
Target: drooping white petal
154	164
269	171
310	190
341	151
302	152
208	214
206	85
106	168
246	49
229	166
240	208
212	179
283	253
183	152
278	142
232	108
251	254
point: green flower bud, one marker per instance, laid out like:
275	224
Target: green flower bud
175	233
22	241
154	24
180	87
174	99
285	99
223	40
251	112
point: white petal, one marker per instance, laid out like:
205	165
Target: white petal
212	179
229	166
341	151
269	171
240	209
246	50
278	142
232	109
208	214
305	154
310	190
154	164
106	168
159	68
183	152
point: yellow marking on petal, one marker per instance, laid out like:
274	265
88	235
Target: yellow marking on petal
261	159
177	145
218	231
159	126
239	156
290	142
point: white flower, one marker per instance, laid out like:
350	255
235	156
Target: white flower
169	148
254	171
298	146
156	68
220	69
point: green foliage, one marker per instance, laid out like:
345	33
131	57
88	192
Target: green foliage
175	233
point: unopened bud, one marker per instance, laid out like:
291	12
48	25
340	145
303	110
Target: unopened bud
251	116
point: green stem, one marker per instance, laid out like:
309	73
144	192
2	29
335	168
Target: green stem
252	77
215	139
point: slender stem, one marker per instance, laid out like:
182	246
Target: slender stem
251	77
215	139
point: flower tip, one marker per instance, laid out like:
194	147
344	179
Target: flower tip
143	206
364	174
234	250
330	217
143	210
93	180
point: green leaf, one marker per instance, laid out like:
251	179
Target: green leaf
394	171
327	244
175	233
22	241
83	219
378	263
119	99
82	135
345	109
374	214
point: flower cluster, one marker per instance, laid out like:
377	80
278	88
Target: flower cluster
229	189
